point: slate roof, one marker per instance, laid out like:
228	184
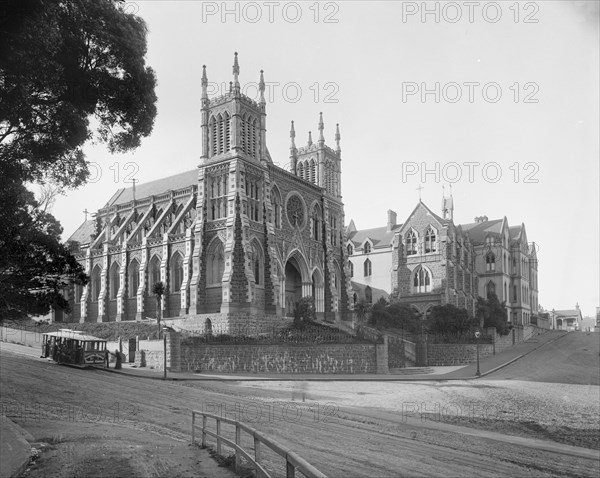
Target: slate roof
376	294
83	234
514	231
567	313
159	186
379	236
478	230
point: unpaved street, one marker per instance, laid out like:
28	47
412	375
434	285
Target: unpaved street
340	440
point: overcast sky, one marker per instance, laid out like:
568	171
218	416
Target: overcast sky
500	99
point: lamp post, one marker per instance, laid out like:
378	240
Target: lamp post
477	335
165	353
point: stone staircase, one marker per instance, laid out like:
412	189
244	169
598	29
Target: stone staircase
411	371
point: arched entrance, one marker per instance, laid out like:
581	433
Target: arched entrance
293	286
318	293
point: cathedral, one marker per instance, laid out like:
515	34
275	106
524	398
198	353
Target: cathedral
235	240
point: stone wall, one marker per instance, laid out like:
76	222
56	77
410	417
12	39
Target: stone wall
456	354
326	358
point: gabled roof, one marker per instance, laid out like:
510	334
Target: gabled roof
379	236
478	230
83	234
568	313
159	186
422	205
376	294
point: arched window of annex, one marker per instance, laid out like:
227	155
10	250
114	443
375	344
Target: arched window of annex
258	263
490	289
490	261
114	280
276	202
411	242
96	282
351	268
368	295
368	269
133	280
316	222
153	273
176	272
430	240
421	280
215	263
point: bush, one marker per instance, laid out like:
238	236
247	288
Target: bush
448	319
304	312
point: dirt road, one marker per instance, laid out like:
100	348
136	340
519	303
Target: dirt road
50	400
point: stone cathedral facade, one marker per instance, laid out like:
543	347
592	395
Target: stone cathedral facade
235	239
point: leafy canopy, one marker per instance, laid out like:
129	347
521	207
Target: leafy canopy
492	313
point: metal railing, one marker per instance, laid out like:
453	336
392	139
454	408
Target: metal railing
292	460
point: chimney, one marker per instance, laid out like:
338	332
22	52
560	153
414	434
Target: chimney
392	216
479	219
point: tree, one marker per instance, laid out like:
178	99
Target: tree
159	290
304	312
395	315
362	309
449	319
492	313
35	267
63	65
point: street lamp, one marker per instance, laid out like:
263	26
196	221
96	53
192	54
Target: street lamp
477	335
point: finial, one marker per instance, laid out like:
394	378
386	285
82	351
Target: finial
204	83
420	188
261	87
309	138
337	137
293	136
321	127
236	72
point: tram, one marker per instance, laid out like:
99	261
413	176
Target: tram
74	348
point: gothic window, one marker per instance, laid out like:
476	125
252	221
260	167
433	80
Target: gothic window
490	262
114	280
221	139
351	267
514	293
489	241
253	146
367	268
153	274
505	297
490	289
96	283
215	263
295	211
77	292
213	131
350	249
217	194
411	243
253	194
367	248
333	222
368	295
134	278
227	134
313	172
316	223
257	264
421	280
430	244
176	272
276	200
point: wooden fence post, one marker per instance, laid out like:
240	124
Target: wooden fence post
218	436
193	427
238	441
203	431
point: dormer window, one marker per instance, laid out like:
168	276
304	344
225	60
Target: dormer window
350	249
490	262
367	248
421	280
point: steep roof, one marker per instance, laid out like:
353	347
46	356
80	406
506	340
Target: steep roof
379	236
376	294
478	230
83	234
568	312
159	186
515	231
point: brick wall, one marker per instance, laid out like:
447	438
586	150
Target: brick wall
328	358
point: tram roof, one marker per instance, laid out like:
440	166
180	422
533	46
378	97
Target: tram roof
74	334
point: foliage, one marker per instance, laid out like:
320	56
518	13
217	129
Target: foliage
449	319
362	309
34	265
158	289
304	312
493	314
62	63
395	315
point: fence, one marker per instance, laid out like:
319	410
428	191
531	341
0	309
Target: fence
292	460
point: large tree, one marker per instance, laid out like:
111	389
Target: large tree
449	319
70	71
492	313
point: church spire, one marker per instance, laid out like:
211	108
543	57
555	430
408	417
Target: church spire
293	136
337	138
236	72
447	205
293	150
321	127
310	138
261	88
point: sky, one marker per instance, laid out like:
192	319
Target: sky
499	99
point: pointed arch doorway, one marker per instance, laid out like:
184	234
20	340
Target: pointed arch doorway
293	286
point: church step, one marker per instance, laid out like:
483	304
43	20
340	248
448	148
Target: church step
411	370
